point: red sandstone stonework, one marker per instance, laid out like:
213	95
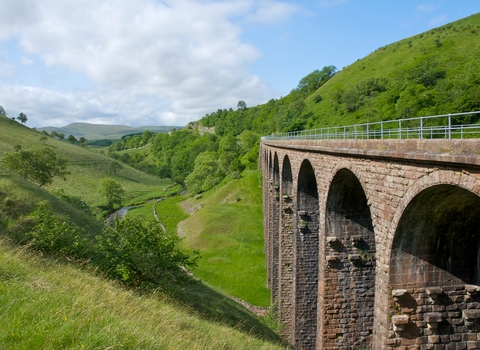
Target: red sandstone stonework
374	244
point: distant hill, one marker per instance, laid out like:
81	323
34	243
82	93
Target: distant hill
102	131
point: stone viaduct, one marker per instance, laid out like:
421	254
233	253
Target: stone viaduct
374	244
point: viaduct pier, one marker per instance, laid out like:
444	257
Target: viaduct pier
372	239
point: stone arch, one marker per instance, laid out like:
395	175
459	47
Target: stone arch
349	273
435	258
287	178
306	258
437	239
439	177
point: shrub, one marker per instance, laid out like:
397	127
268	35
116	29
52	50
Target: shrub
139	251
49	234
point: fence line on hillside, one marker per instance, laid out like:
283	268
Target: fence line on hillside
447	126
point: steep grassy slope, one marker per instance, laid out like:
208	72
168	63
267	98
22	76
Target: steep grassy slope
47	305
435	72
87	168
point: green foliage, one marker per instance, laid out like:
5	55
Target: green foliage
39	165
431	73
317	78
51	305
139	251
113	191
72	139
115	166
97	143
51	235
22	118
206	174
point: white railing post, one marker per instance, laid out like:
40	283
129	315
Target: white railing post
421	127
449	126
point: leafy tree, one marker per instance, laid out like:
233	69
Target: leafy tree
317	78
139	251
206	173
22	118
38	165
81	141
61	136
72	139
241	105
2	112
113	191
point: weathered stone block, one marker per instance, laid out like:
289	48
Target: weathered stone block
434	339
400	319
471	314
473	344
399	292
433	317
434	291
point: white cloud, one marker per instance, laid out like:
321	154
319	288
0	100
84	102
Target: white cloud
148	59
271	12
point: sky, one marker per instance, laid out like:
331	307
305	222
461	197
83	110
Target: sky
169	62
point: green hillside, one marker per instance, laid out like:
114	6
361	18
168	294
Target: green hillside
100	131
72	304
87	168
49	305
435	72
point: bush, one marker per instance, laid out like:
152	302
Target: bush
139	251
49	234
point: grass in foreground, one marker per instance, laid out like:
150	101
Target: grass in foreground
48	305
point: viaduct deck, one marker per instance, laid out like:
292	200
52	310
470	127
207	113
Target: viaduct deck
374	243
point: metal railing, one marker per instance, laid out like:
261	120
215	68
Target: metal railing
446	126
